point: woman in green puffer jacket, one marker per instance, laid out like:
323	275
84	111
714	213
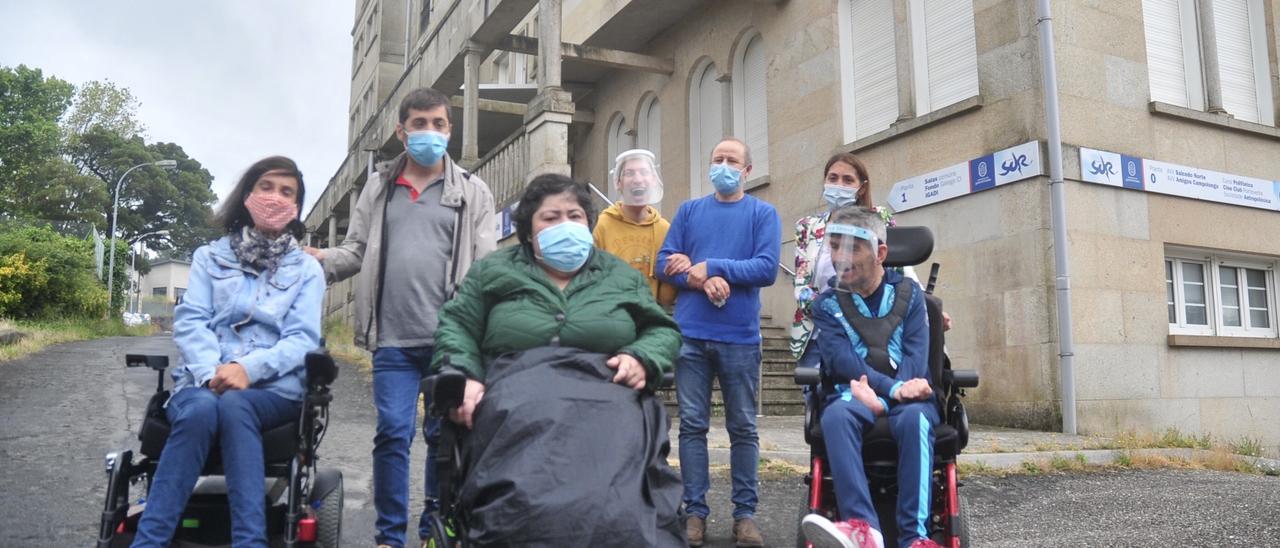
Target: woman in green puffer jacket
554	288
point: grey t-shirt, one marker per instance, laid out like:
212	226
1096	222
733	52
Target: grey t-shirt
419	242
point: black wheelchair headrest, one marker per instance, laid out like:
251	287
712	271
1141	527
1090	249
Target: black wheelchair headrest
908	245
445	389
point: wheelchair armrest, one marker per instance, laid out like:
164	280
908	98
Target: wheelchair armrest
807	376
961	378
445	390
321	370
157	363
668	380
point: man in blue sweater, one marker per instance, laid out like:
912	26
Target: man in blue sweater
875	354
720	251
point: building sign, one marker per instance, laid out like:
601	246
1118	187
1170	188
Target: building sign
1003	167
1111	169
506	222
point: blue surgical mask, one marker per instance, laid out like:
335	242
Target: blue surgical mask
724	178
839	196
426	147
566	246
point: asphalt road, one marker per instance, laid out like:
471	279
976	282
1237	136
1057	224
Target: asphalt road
61	410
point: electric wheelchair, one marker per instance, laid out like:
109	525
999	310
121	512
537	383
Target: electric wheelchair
947	524
304	502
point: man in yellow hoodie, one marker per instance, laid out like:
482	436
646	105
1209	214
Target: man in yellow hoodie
632	229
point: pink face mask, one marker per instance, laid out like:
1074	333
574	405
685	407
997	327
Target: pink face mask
270	212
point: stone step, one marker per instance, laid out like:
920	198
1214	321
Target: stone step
771	393
769	408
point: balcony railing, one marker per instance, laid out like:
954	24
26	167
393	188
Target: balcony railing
504	168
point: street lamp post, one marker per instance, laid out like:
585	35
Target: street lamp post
136	286
115	209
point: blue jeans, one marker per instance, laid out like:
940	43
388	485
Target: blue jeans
235	419
738	368
844	423
397	372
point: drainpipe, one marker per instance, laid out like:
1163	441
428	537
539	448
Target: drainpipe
1058	201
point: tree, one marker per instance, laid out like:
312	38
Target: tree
102	104
30	107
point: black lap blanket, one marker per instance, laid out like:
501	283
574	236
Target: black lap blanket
560	456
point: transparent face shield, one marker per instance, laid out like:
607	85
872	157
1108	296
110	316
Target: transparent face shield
851	251
635	177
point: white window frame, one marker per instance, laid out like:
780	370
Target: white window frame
920	58
1212	262
649	126
699	159
1193	63
616	142
741	112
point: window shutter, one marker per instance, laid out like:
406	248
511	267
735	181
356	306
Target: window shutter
875	69
1173	52
706	127
1237	62
652	135
755	107
951	54
617	144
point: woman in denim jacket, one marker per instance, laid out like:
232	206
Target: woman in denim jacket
250	314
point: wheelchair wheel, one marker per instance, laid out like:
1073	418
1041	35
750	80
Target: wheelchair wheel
962	524
329	516
439	534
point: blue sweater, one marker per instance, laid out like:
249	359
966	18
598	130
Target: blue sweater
739	242
843	351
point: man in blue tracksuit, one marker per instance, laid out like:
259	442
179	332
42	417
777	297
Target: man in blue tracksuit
721	249
875	354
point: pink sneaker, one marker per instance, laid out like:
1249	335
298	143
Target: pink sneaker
925	543
853	533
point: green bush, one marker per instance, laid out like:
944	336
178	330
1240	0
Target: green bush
44	274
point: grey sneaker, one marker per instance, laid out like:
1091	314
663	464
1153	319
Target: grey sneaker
746	534
695	528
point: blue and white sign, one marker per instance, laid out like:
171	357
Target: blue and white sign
506	223
1108	168
1003	167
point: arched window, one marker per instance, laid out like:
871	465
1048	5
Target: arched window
706	125
649	126
618	142
750	108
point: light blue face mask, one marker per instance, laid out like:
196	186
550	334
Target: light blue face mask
724	178
426	147
839	196
566	246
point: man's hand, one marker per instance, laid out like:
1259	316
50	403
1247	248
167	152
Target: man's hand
717	289
698	274
677	263
913	390
630	372
946	321
471	397
314	252
229	376
865	394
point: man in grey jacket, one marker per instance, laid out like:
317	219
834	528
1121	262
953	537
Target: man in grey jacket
419	224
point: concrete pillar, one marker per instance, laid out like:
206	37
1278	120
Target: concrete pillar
1209	58
353	198
551	111
333	231
902	49
547	126
471	107
548	44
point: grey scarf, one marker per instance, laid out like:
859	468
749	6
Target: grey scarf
259	252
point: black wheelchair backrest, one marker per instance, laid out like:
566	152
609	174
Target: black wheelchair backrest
158	363
908	245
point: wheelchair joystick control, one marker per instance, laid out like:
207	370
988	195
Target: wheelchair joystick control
110	461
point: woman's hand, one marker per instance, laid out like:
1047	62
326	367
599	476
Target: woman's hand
946	321
630	372
471	397
229	376
677	263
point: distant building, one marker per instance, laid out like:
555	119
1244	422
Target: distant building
167	279
1171	159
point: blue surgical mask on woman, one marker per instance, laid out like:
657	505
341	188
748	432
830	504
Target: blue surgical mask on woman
566	246
426	147
724	178
839	196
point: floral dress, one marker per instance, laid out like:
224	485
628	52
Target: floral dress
809	232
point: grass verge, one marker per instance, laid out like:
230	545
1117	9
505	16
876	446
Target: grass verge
44	333
338	338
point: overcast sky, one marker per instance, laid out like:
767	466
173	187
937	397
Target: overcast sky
231	81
